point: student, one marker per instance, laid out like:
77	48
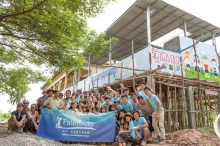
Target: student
107	103
78	97
103	109
89	106
82	98
17	120
125	132
127	106
84	109
112	94
81	104
118	107
157	116
67	100
54	102
135	103
61	96
68	106
112	108
74	106
50	93
121	114
99	98
26	104
40	100
141	128
32	116
126	91
98	106
140	90
94	110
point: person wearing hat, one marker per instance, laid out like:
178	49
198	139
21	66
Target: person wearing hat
26	104
32	116
17	120
54	102
50	93
41	99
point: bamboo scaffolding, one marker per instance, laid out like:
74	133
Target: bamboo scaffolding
132	52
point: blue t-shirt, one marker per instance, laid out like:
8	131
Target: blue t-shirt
106	106
113	99
141	93
153	99
140	122
129	97
119	108
128	106
78	99
98	110
131	127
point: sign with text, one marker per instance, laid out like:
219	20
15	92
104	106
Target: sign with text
75	126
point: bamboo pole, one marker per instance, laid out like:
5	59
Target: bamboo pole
121	77
132	51
176	113
168	108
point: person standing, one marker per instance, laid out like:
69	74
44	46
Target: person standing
54	102
61	96
78	94
140	90
135	103
40	100
107	103
126	91
17	120
126	105
50	93
157	116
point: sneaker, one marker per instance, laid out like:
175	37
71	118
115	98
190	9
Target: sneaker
20	131
162	142
149	139
9	132
143	143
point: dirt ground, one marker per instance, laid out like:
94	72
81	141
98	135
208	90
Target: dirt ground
188	137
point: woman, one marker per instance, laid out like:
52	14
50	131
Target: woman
74	106
112	108
89	106
98	106
99	98
81	104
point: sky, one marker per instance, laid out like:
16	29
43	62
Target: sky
207	10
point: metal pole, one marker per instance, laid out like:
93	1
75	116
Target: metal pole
185	29
110	52
213	39
89	66
148	26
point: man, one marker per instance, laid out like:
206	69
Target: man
67	100
141	128
54	102
17	120
33	117
26	104
78	93
126	91
112	94
125	104
61	96
40	100
140	89
118	107
157	116
147	110
50	93
135	103
107	103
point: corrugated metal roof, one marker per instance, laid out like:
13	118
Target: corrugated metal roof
165	18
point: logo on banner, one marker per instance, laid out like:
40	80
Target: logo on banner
70	124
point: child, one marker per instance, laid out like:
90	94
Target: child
89	106
103	109
121	123
81	104
112	108
98	106
84	109
121	141
94	110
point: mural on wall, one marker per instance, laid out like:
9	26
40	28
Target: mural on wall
203	64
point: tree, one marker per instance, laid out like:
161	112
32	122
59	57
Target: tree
53	33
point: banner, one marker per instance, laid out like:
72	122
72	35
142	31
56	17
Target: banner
75	126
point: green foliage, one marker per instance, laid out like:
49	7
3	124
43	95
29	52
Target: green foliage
46	32
5	117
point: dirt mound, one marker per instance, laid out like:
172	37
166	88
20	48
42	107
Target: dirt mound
191	137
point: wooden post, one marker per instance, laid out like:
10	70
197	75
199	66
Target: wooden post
121	77
176	113
183	97
132	51
168	108
191	108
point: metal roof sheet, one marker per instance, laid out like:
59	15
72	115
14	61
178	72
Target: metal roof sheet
131	25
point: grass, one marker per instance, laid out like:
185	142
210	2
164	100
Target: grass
207	130
193	74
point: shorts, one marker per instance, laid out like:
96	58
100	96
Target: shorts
207	71
141	132
15	127
187	65
215	74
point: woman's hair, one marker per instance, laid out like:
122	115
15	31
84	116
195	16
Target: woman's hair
126	123
102	108
81	101
111	107
97	103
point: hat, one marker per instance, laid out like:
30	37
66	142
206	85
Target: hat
126	89
20	104
128	114
44	91
50	90
25	101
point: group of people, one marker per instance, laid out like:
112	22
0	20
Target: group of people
138	114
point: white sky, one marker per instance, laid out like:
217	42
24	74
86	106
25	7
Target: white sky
207	10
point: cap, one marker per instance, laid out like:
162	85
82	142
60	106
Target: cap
128	114
25	101
20	104
33	105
